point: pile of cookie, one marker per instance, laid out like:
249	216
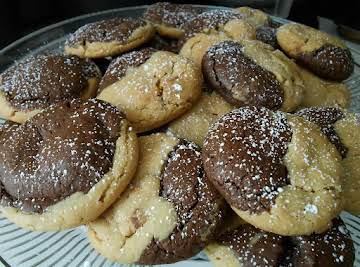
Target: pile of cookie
186	130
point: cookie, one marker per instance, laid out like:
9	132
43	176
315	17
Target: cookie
252	74
168	213
277	171
195	123
323	54
36	82
161	89
169	18
267	35
342	128
66	165
109	37
256	17
230	23
322	93
250	246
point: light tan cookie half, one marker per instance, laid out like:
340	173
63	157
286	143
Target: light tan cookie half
255	16
314	196
79	207
348	129
168	212
195	123
322	93
156	92
109	37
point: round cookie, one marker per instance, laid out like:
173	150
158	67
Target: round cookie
35	83
319	92
256	17
252	73
277	171
250	246
168	213
343	130
169	18
109	37
66	165
323	54
230	23
195	123
161	89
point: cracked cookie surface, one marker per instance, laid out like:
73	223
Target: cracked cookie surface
168	213
66	165
277	171
162	88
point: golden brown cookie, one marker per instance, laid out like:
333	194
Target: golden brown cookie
323	54
256	17
278	171
320	92
155	92
250	246
252	73
229	23
66	165
168	213
35	83
109	37
195	123
343	130
169	18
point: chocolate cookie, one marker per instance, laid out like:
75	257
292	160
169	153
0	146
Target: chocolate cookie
267	35
225	22
195	123
35	83
323	54
169	18
250	246
342	128
168	213
323	93
252	74
66	165
109	37
276	170
160	88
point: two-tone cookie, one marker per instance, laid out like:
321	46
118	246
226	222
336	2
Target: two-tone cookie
66	165
169	212
169	18
252	73
151	87
229	23
109	37
325	55
278	171
250	246
342	128
36	82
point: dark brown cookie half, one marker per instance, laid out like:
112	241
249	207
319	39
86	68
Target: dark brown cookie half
42	80
255	247
159	42
329	62
267	35
199	207
243	154
208	21
120	65
170	14
238	79
325	117
116	29
65	149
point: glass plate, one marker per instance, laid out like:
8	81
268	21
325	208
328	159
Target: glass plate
19	247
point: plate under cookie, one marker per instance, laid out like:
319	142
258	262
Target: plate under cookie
19	247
